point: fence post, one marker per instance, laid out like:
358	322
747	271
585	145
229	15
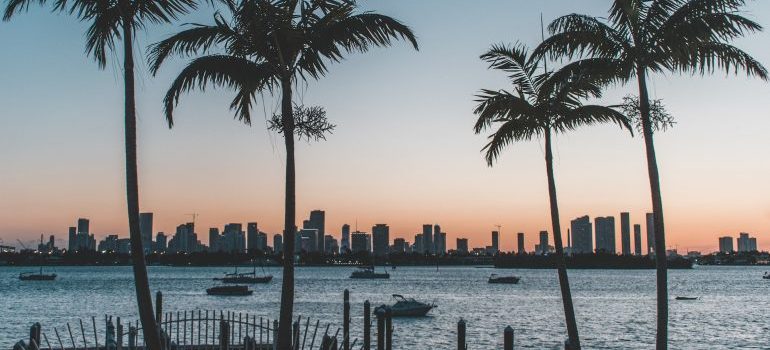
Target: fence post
224	335
275	334
120	335
380	313
388	329
295	335
461	344
158	307
367	326
34	336
508	338
109	338
131	337
346	322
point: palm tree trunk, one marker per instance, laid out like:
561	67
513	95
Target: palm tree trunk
287	288
661	341
143	298
561	266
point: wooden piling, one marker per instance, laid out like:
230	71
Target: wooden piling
346	321
388	329
508	338
379	312
34	336
461	344
131	337
158	306
224	335
367	326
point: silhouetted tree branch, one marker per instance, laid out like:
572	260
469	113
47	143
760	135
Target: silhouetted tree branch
661	119
310	123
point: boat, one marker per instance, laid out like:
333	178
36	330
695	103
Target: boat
766	276
408	307
229	290
495	278
248	277
686	298
40	276
367	272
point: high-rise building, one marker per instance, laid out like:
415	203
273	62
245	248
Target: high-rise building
278	243
145	230
233	238
317	221
625	233
331	245
542	248
650	232
726	244
753	244
427	239
418	244
185	239
582	232
360	242
439	240
605	234
160	242
381	237
308	240
83	225
637	239
495	242
214	240
345	241
746	243
462	245
252	231
520	242
73	239
399	245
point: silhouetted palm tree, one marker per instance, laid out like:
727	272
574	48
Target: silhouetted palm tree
267	46
540	105
111	21
654	36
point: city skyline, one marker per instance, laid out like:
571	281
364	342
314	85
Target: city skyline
711	189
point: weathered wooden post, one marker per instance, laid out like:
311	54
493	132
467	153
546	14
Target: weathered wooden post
224	335
120	335
508	338
131	337
158	307
461	344
275	334
34	336
109	338
380	313
346	322
295	334
388	329
367	326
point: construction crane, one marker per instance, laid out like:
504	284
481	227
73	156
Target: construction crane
194	216
22	244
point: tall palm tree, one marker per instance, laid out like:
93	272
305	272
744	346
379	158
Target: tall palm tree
540	105
111	21
268	46
655	36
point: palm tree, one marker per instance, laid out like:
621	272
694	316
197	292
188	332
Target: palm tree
655	36
268	46
541	105
111	21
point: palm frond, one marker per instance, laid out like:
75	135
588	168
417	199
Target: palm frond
494	106
587	115
244	76
161	11
627	15
510	131
195	40
578	35
16	6
104	29
515	61
709	57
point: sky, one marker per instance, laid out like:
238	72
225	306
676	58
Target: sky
403	153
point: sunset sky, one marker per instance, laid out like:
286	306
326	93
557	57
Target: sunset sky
404	152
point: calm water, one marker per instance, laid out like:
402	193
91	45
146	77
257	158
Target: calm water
615	309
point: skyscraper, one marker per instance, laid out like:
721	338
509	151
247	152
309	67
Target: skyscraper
543	242
427	239
252	230
360	242
278	243
381	238
439	240
462	245
317	221
399	245
345	241
214	239
73	239
650	232
145	230
605	234
625	233
582	240
418	244
637	239
495	242
520	240
746	243
726	244
160	242
83	225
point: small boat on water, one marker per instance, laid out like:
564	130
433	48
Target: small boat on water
408	307
766	275
495	278
367	272
229	290
686	298
248	277
40	276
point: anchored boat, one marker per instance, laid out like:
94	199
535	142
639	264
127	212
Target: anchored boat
230	291
408	307
40	276
503	279
367	272
248	277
